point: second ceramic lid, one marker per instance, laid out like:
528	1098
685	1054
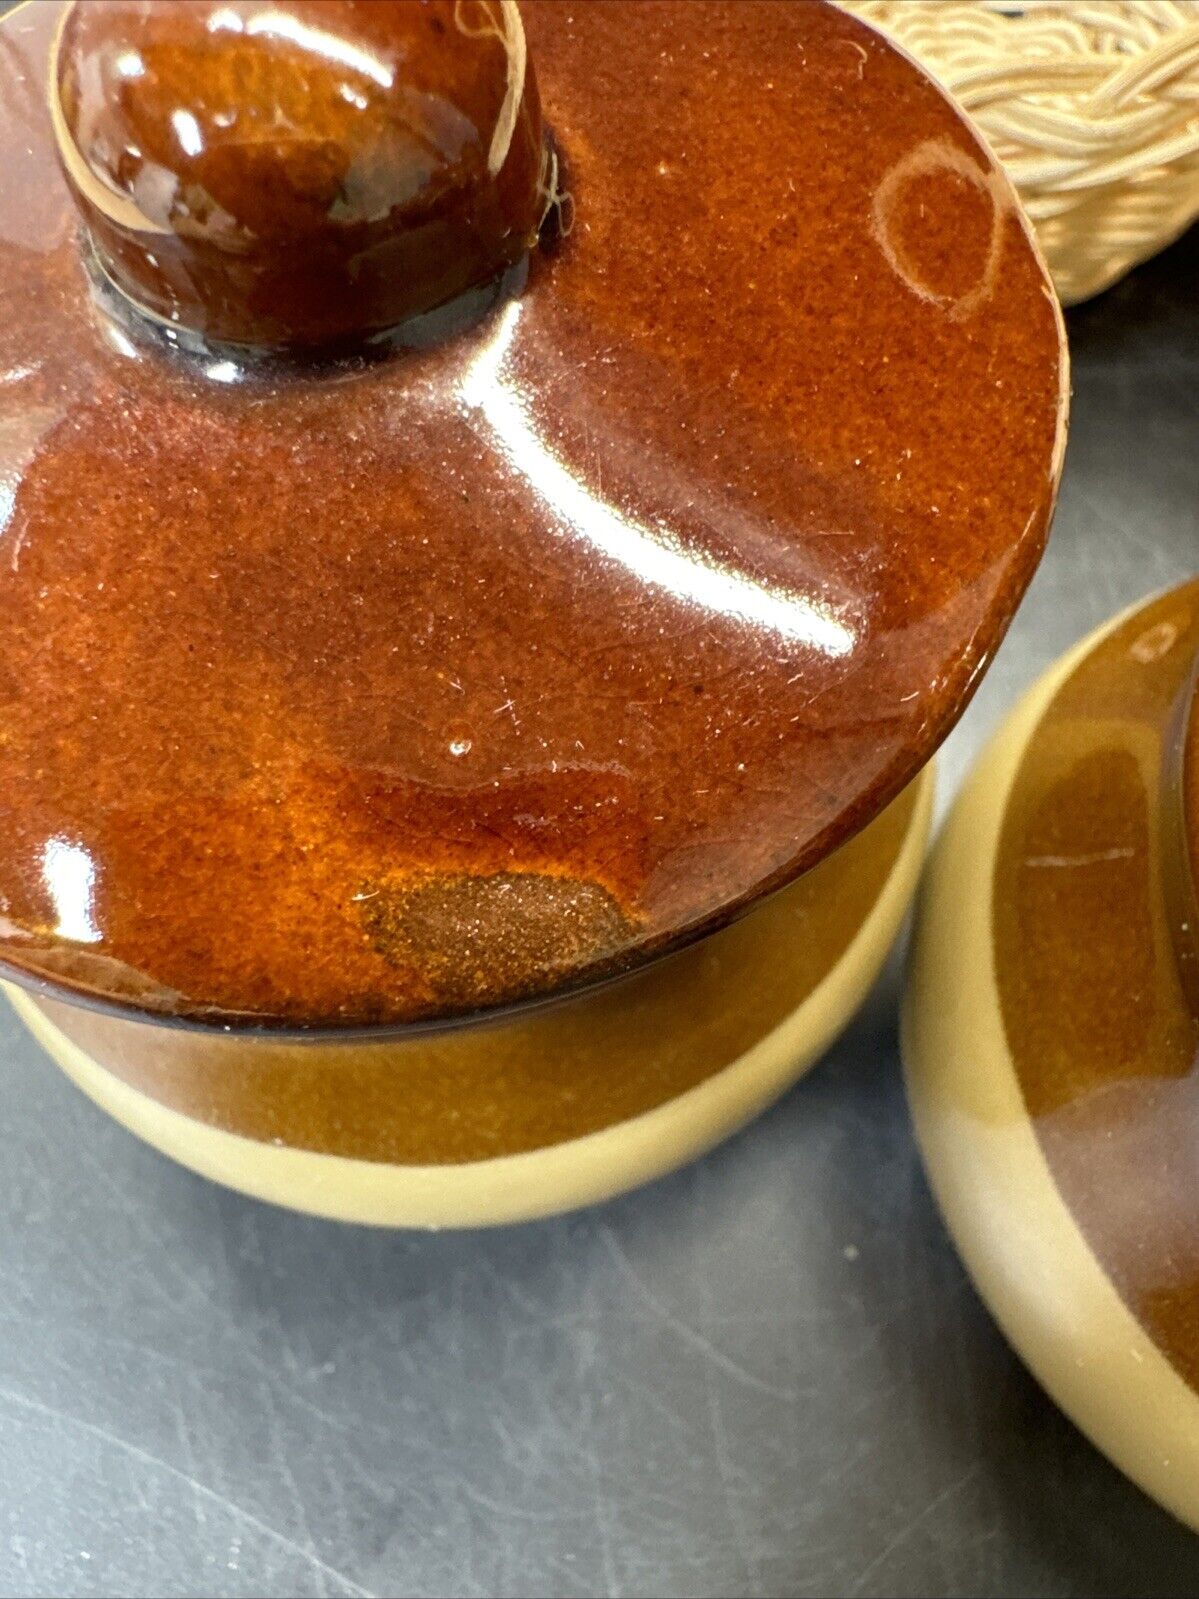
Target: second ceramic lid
411	688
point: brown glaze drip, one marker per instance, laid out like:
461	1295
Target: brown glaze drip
304	172
1103	1042
526	1082
645	593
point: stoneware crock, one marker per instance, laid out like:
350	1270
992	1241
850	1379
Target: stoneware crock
1052	1034
498	506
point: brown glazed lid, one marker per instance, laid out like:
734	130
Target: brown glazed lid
501	654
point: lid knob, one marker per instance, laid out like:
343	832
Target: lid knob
299	173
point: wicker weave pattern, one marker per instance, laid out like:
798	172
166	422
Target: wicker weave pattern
1092	106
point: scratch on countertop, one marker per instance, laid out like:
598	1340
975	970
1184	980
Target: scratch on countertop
279	1451
735	1510
51	1413
913	1525
686	1334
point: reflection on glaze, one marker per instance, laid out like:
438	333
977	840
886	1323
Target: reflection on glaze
23	425
613	611
273	23
901	190
187	131
651	554
70	878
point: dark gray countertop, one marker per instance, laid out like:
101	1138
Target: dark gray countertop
766	1375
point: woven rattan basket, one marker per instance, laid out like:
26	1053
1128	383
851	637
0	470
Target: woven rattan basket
1092	105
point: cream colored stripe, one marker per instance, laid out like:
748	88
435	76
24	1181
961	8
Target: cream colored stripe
1018	1239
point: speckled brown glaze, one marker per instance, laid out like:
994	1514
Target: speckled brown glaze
1102	1038
304	172
402	689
